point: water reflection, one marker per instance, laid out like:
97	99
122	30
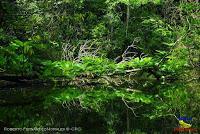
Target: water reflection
94	110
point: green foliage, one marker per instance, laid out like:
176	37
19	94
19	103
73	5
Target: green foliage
16	56
92	65
20	57
35	34
146	62
177	61
71	69
135	2
99	31
98	65
62	68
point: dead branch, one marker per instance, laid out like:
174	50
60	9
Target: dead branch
68	51
131	52
132	109
87	49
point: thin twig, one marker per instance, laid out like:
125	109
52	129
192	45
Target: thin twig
132	109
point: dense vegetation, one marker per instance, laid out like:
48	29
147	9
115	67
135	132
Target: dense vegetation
116	66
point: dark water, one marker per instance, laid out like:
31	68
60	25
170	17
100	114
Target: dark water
74	110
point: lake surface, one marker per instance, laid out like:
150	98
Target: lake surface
91	110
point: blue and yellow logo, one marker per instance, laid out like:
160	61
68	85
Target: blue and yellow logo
185	127
182	122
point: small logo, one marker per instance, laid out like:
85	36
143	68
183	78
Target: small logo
183	126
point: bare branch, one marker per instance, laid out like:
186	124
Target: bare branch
87	49
132	109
